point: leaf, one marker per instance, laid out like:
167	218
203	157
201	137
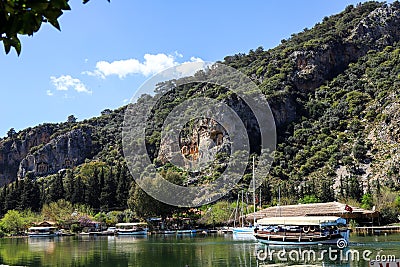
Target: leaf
55	24
59	4
7	45
17	45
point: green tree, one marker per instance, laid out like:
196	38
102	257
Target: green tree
25	17
13	222
107	197
367	201
30	195
56	190
93	190
71	119
308	199
78	196
123	186
69	186
11	133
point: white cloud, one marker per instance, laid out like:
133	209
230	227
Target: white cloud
49	93
152	64
196	59
66	82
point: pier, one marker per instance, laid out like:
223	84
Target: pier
377	230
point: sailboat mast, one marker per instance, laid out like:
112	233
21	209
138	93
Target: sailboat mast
254	193
241	211
236	211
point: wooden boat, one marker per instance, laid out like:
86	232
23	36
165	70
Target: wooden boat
302	230
42	231
131	229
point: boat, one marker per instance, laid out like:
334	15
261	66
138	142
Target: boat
168	232
302	230
185	231
246	230
109	231
42	231
131	229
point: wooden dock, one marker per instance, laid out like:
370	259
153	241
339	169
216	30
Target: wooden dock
376	230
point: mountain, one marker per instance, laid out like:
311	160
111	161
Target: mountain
333	91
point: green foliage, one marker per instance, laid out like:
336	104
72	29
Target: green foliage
15	222
367	201
308	199
218	213
25	17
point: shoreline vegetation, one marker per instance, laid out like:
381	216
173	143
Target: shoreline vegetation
78	218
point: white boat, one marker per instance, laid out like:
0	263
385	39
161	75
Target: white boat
42	231
244	230
302	230
186	231
168	232
131	229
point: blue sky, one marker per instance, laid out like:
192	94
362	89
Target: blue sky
105	51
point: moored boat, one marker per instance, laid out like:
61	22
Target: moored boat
131	229
244	230
302	230
186	231
42	231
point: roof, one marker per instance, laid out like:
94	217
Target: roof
315	209
45	223
303	220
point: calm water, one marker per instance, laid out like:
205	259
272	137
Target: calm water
175	251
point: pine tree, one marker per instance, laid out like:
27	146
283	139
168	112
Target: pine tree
56	190
78	196
107	197
30	195
11	199
2	200
69	186
123	186
93	190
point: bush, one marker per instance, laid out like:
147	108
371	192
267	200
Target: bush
76	228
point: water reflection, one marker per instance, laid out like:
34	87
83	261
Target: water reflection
176	251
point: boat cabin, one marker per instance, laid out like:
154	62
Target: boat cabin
44	231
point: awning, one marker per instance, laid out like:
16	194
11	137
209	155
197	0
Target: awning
303	220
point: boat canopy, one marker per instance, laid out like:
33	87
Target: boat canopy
303	220
130	224
42	228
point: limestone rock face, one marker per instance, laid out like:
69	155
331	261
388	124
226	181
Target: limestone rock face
12	151
66	151
378	30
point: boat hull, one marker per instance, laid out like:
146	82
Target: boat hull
243	230
142	232
297	240
42	235
186	232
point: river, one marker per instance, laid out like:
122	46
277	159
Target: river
181	251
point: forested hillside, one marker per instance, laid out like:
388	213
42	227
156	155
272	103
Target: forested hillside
333	90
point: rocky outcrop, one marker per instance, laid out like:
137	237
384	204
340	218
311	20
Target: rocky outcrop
13	150
314	66
63	152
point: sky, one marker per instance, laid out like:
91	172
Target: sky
105	51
